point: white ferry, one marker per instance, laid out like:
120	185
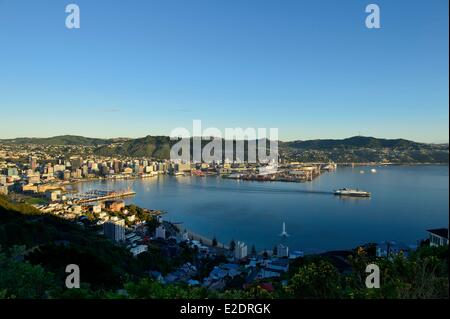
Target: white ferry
351	192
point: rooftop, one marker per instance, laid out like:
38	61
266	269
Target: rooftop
441	232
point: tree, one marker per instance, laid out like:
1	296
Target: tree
253	250
275	250
150	289
20	279
232	245
318	280
214	242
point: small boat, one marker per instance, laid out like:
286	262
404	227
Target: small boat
351	192
373	170
361	172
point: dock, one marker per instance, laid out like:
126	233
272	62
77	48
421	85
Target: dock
99	195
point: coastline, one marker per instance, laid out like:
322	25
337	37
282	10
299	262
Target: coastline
306	246
195	236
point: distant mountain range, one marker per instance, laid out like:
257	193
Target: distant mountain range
62	140
353	149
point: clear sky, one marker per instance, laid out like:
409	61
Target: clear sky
309	67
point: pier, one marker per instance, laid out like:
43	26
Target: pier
99	195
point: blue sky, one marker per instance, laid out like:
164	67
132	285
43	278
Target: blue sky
310	68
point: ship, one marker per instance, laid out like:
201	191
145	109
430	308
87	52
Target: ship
351	192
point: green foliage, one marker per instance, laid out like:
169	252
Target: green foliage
232	245
60	140
318	280
22	280
102	266
422	275
150	289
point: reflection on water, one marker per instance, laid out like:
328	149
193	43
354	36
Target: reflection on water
406	200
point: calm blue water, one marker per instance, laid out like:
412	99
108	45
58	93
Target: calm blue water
406	200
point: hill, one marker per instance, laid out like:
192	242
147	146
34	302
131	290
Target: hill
53	242
357	149
149	146
61	140
356	142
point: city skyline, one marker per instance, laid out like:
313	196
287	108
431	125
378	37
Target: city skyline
311	69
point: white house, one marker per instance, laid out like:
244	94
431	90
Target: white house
139	249
438	237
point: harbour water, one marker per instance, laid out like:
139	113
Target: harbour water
406	200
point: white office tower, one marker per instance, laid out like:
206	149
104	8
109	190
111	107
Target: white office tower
115	230
282	251
240	250
160	232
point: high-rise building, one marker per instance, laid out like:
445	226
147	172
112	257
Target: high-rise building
76	162
282	250
160	232
115	230
33	163
240	250
117	166
11	171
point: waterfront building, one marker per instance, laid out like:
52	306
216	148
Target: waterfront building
183	167
148	169
84	170
77	173
438	237
115	230
128	170
240	250
117	165
66	174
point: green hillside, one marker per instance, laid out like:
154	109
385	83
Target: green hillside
60	140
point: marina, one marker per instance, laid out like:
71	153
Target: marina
96	195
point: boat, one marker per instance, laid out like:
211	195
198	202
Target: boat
351	192
373	170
